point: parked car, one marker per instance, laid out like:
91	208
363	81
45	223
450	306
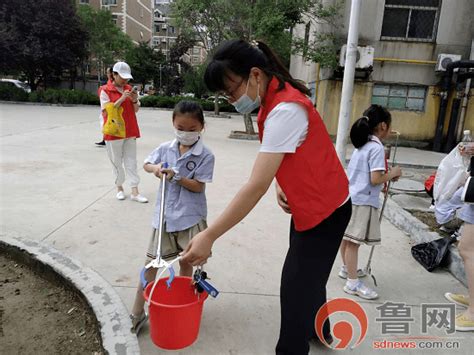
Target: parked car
16	83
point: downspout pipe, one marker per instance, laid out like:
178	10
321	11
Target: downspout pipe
453	121
445	88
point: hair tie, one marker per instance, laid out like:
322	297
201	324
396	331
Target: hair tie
366	118
254	44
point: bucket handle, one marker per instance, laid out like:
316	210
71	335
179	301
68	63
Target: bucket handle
158	276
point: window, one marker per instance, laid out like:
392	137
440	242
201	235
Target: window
109	2
414	20
196	50
171	29
399	97
83	1
114	19
157	28
306	38
195	60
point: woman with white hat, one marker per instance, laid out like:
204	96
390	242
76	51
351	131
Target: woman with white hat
119	97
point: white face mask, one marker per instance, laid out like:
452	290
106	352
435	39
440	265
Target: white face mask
186	138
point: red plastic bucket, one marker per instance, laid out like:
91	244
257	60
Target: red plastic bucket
175	313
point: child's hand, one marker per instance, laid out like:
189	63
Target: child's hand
169	173
395	173
157	171
466	149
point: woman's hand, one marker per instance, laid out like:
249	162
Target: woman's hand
281	199
198	250
127	94
157	171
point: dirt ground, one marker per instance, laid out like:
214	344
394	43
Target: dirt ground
38	316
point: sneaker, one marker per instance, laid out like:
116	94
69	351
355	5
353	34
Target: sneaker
459	299
120	195
100	144
138	322
361	290
464	324
343	273
139	198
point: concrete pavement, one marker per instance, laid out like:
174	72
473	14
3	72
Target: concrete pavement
57	187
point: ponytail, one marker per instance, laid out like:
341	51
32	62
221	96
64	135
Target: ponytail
277	68
239	56
365	126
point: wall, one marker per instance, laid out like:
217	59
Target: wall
412	125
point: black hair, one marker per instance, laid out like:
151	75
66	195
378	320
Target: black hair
189	107
365	126
238	57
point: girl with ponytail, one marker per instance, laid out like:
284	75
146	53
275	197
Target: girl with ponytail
311	183
367	174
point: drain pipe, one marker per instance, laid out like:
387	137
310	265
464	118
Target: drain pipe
445	88
465	101
453	121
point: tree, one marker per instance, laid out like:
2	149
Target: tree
194	81
31	43
145	63
326	21
107	42
214	21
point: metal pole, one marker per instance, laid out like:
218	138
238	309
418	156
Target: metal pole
348	82
465	100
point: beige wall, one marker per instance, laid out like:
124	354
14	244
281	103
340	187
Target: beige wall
413	125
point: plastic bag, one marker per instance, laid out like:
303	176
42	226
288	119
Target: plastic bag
432	254
115	124
451	174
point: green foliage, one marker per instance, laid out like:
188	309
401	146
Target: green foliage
107	42
171	101
12	93
194	81
326	43
145	63
64	96
41	38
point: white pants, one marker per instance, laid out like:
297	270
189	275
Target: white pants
123	153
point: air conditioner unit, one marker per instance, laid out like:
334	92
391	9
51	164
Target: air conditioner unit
445	59
163	26
364	59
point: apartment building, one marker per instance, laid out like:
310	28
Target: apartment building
404	46
133	17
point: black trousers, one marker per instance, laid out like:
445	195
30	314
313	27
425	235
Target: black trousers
304	277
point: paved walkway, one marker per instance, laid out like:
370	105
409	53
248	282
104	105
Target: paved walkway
57	187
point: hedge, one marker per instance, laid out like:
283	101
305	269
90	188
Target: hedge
66	96
171	101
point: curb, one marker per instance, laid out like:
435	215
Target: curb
106	304
419	232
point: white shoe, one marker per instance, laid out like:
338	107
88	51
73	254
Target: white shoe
120	196
139	198
343	273
361	290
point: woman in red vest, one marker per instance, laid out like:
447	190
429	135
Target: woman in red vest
311	183
122	151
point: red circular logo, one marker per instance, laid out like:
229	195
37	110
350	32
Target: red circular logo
342	330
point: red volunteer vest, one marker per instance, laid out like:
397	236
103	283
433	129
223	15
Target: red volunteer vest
312	178
131	124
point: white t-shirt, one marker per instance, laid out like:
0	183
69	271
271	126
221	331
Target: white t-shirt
286	128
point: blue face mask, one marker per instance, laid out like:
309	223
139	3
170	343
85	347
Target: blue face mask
245	104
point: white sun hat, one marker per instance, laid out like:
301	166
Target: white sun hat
123	69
